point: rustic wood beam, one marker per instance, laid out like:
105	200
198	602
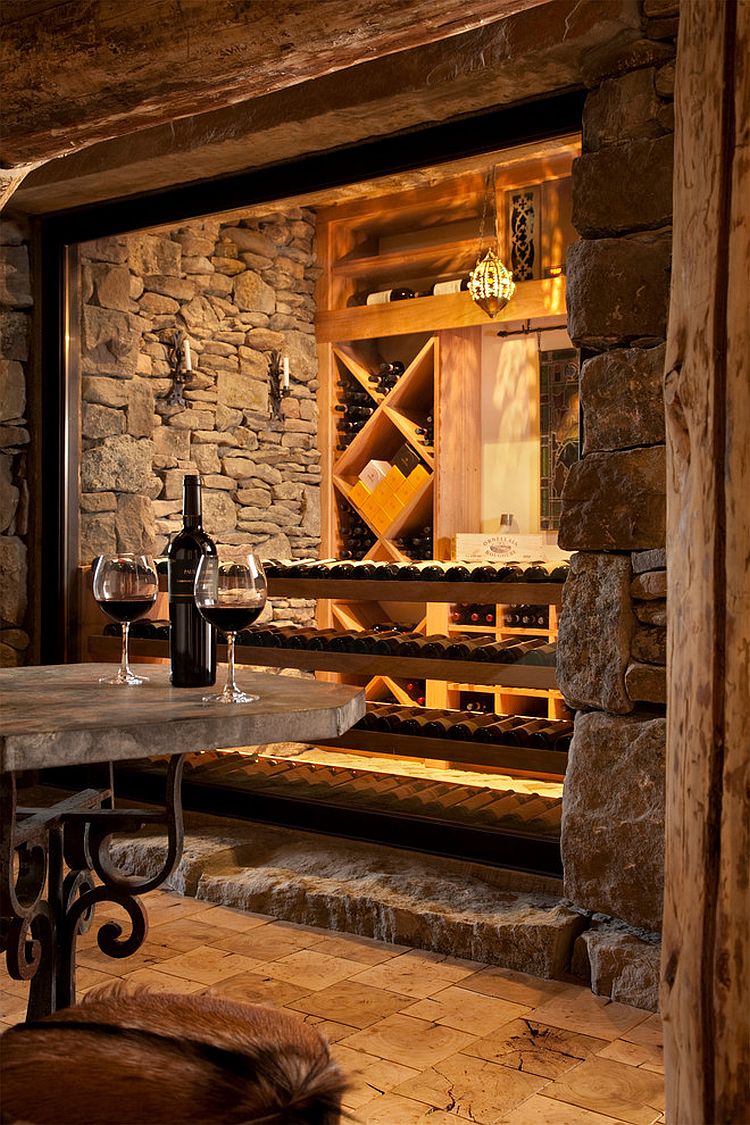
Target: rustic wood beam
79	71
706	958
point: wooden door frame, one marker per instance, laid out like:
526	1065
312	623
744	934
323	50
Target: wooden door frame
706	933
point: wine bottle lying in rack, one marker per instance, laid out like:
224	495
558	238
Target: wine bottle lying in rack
419	570
467	726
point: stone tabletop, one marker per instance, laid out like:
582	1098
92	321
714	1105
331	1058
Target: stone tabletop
60	715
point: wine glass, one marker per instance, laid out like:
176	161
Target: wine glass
125	586
230	592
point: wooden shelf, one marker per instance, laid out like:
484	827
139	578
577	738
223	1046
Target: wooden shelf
436	260
519	760
358	589
431	314
356	664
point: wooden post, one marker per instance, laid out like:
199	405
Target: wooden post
706	959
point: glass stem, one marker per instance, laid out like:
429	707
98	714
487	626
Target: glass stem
124	669
230	684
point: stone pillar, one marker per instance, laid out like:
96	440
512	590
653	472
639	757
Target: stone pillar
612	631
15	324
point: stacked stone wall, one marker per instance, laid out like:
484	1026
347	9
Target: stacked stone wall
612	645
239	290
15	333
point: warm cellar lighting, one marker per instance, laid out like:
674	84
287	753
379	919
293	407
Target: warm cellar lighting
491	285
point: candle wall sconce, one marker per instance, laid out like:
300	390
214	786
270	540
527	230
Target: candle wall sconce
278	377
181	364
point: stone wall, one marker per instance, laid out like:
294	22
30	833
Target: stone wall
612	645
239	291
15	332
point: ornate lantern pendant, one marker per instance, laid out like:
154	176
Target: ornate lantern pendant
491	285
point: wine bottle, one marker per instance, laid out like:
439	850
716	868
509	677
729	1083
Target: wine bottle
385	296
457	285
192	642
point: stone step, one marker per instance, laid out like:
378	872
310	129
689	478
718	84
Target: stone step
503	918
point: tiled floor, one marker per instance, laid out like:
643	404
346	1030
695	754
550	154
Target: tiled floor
423	1037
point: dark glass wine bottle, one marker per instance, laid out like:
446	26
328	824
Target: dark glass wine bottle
192	641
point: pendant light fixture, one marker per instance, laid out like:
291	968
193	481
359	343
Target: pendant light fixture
491	285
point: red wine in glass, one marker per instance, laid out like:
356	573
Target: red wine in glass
125	587
230	592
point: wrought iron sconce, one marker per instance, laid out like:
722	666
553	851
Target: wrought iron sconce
181	364
278	377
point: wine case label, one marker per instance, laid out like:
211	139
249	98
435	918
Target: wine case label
182	580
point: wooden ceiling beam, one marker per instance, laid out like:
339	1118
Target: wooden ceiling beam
81	71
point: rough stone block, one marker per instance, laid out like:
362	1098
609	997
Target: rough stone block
15	277
113	249
206	459
13	435
237	389
97	535
219	512
119	464
624	967
311	510
154	304
9	494
12	390
596	627
623	108
250	241
649	585
110	285
264	340
600	205
152	254
615	502
253	363
613	817
14	334
97	501
646	683
200	315
134	524
170	446
303	357
621	55
649	560
140	409
650	644
101	421
651	613
617	290
108	392
192	420
622	398
179	288
13	588
251	292
109	342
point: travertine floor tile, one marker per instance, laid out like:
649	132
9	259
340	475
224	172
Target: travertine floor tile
267	943
238	920
519	988
149	956
208	965
627	1092
86	979
353	1003
310	969
168	908
413	974
635	1054
649	1032
12	1008
580	1010
403	1039
394	1110
375	1081
540	1110
366	951
533	1048
477	1089
330	1030
162	982
184	934
257	988
466	1011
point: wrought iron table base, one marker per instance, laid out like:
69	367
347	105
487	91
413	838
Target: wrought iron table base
63	850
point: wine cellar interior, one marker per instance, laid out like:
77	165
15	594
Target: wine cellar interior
427	434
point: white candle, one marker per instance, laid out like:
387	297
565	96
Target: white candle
187	363
285	371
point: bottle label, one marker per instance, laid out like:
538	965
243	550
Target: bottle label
182	580
381	298
442	287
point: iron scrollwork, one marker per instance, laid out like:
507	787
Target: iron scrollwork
48	892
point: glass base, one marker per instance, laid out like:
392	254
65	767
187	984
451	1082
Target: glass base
127	678
231	695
